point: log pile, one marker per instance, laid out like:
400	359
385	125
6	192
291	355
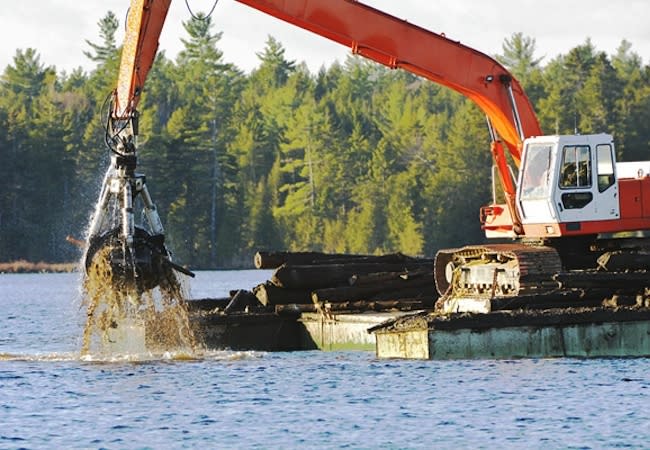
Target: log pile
319	282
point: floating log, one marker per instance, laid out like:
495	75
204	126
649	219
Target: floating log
356	306
273	260
381	277
268	295
368	292
241	301
329	275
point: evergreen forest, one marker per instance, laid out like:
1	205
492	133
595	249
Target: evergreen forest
356	158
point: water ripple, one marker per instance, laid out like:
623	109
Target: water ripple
53	398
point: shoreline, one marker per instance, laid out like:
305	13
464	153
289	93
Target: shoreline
23	266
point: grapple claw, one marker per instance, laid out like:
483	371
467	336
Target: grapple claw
144	265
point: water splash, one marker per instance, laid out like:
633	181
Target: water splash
104	358
121	319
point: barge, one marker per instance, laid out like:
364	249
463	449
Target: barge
388	305
315	301
591	332
303	331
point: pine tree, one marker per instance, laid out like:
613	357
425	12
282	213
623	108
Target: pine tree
107	50
519	56
199	131
633	107
597	98
274	68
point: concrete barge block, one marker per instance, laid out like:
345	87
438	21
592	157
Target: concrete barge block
587	333
408	344
340	331
583	341
302	331
263	332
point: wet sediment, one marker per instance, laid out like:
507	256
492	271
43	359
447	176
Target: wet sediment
161	313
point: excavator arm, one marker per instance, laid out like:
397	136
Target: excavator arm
368	32
397	43
137	255
144	25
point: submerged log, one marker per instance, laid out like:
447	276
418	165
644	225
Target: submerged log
330	275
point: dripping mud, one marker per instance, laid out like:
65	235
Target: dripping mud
120	318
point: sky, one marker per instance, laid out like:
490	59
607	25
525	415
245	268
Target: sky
58	29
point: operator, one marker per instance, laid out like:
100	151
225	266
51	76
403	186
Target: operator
536	176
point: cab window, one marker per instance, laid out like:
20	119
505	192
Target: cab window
576	167
605	164
536	171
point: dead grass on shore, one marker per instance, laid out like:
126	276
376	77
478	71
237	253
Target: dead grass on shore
22	266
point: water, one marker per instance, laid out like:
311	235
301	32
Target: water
52	398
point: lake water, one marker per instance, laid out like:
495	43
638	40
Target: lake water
52	398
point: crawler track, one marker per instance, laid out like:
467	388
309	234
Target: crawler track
499	270
482	278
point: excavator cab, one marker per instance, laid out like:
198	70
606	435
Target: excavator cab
572	185
567	185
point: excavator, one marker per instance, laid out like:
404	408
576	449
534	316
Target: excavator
567	216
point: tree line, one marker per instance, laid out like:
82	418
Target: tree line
355	158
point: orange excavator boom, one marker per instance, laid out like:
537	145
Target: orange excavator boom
368	32
397	43
144	25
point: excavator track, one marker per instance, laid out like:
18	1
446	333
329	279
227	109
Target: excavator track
478	274
482	278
